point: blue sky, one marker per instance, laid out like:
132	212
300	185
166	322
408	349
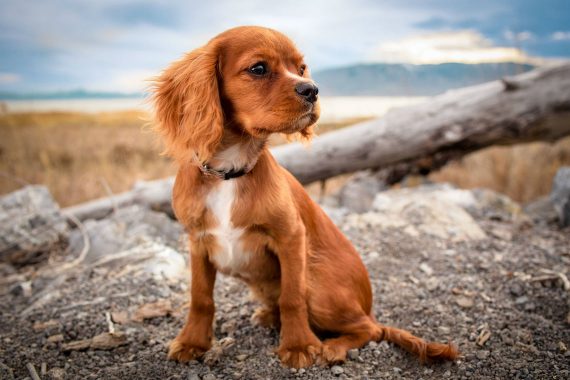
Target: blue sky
114	45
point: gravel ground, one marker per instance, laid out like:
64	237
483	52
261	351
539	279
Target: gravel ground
484	296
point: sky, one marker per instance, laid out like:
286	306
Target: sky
103	45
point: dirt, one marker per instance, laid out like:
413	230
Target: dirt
481	295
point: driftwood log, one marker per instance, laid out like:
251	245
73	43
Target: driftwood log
528	107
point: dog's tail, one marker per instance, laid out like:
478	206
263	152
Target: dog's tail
424	350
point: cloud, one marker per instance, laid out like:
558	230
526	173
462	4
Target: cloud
560	36
9	78
465	46
518	37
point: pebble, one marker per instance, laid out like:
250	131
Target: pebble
193	376
426	269
337	370
482	355
521	300
516	290
209	376
464	302
241	358
353	354
443	330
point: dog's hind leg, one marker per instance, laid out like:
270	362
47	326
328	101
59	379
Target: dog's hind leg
352	335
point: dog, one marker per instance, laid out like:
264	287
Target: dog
248	217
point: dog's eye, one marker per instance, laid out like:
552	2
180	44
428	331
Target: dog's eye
302	70
259	69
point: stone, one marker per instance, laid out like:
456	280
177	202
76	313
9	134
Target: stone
127	228
560	195
357	195
425	210
541	210
464	302
337	370
482	354
209	376
353	354
31	224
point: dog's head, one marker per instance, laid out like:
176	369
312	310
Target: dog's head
250	79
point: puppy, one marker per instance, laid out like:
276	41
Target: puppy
248	217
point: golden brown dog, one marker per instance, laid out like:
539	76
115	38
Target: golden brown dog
248	217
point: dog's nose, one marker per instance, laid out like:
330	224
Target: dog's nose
307	90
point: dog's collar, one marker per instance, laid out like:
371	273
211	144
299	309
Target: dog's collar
223	174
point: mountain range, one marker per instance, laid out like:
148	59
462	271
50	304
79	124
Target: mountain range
374	79
382	79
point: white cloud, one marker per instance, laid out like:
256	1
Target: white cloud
465	46
519	37
561	36
6	78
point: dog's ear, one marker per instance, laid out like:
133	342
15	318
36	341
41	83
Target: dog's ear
187	105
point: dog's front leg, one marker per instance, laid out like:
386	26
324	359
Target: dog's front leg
299	347
195	338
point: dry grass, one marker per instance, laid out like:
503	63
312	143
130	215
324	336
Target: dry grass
74	153
524	172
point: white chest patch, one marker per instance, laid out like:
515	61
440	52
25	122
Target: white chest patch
229	257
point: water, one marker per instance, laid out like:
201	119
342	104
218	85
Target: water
333	108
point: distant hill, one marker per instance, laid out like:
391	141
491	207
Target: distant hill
381	79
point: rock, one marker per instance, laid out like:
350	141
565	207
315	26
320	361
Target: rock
443	330
337	370
426	269
55	338
464	302
353	354
193	376
209	376
358	193
31	224
151	257
482	354
420	211
560	195
337	214
541	210
128	228
241	357
56	374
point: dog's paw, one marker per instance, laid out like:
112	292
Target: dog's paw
333	354
300	357
184	352
266	317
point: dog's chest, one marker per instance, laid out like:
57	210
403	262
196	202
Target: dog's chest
228	256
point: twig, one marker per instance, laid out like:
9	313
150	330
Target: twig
43	369
109	194
110	322
32	371
86	245
561	276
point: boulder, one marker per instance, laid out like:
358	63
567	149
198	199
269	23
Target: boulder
560	195
437	211
127	228
31	224
358	193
